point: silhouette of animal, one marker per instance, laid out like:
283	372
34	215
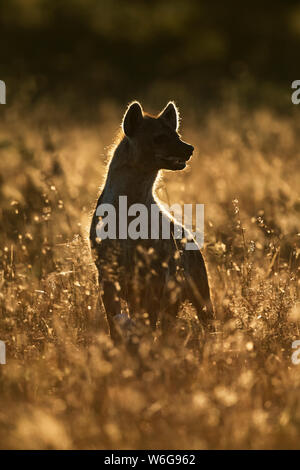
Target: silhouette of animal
152	276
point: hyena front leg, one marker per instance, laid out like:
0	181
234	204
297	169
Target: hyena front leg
153	316
144	307
197	287
112	305
168	319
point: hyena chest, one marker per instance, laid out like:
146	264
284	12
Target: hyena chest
148	270
138	251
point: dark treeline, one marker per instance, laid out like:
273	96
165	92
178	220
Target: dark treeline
83	51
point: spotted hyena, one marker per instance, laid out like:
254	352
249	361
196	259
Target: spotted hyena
152	276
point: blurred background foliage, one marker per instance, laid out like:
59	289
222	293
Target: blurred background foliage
78	52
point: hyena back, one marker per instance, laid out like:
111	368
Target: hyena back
153	276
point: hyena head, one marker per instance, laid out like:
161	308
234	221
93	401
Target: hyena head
154	141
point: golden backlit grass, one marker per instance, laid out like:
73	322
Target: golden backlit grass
65	385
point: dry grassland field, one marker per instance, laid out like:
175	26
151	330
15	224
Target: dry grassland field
65	384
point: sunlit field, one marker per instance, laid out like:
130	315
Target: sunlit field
65	385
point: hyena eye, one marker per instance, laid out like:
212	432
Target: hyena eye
160	139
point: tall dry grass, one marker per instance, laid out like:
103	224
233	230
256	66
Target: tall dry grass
65	385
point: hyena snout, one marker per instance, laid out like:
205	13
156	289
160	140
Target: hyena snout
186	150
177	157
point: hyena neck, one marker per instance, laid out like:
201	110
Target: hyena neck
125	179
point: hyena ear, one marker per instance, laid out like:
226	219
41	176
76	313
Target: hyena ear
170	115
132	119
